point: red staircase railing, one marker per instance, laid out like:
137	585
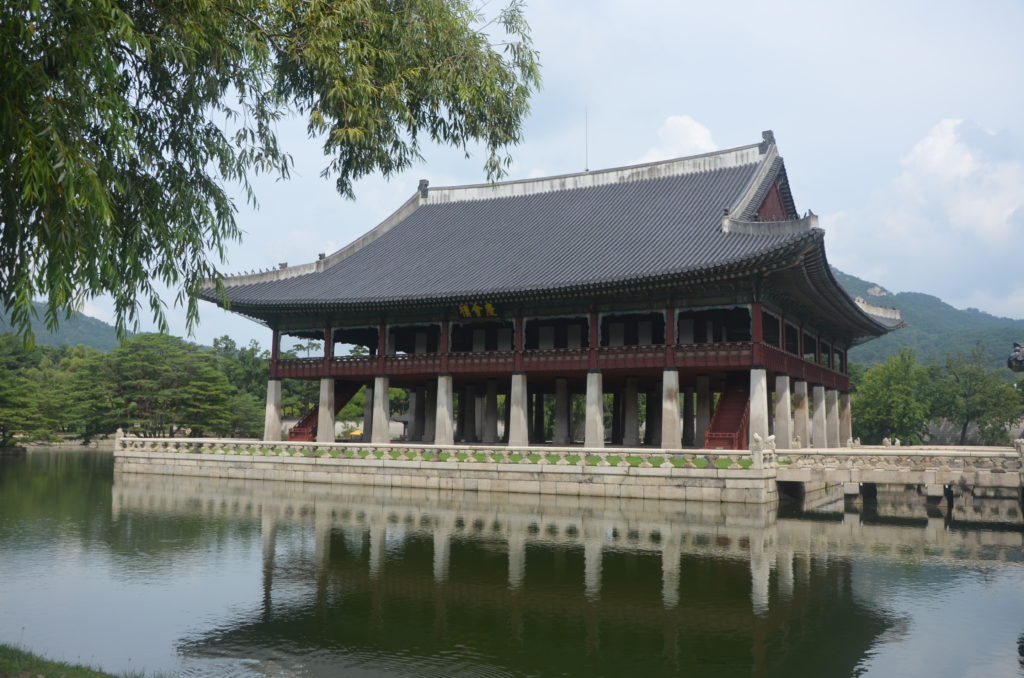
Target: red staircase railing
729	424
305	429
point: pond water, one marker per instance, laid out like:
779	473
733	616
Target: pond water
212	577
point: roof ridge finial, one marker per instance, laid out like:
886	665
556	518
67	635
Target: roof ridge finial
767	140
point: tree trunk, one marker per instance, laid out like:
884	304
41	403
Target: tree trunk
963	432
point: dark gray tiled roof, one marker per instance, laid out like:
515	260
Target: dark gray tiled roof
545	240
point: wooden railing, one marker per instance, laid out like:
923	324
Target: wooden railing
719	355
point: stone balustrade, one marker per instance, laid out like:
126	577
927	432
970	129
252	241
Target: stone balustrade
691	474
975	466
700	475
459	454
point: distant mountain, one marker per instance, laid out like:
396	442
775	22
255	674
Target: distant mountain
78	329
933	327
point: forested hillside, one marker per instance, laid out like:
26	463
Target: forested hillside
78	329
933	327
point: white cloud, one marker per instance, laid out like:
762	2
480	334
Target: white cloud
947	224
680	135
98	308
976	192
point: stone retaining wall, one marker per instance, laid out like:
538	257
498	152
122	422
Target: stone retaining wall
747	486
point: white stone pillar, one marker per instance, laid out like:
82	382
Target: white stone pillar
561	434
430	412
818	424
845	420
519	430
783	414
594	432
516	554
376	556
592	567
325	416
801	413
268	532
321	538
381	411
652	427
689	432
832	417
630	416
414	431
490	432
538	418
703	408
758	404
671	433
468	410
442	551
444	426
272	419
479	407
760	574
784	567
670	552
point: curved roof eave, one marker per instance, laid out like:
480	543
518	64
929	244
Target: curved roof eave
817	267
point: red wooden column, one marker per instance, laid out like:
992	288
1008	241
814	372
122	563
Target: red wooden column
517	344
757	333
594	341
443	347
328	348
275	352
670	337
382	346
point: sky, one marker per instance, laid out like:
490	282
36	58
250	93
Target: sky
901	125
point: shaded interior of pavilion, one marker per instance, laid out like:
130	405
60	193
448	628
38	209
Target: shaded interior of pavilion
594	380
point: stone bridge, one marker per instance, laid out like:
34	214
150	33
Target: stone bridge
934	468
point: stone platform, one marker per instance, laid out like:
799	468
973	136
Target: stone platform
697	475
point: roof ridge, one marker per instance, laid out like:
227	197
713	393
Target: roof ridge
761	153
704	162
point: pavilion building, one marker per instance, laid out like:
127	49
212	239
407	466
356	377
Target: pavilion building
691	290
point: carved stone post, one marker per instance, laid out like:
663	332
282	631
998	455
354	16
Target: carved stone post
325	416
594	434
381	411
819	435
444	426
783	415
272	419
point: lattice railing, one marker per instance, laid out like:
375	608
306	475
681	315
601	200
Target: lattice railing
462	454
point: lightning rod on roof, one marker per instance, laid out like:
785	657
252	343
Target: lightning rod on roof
586	139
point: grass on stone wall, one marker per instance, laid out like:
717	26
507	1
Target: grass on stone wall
18	663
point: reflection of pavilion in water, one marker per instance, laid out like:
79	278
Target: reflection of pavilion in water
897	525
725	570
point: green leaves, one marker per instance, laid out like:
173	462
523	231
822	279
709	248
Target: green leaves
967	391
152	384
899	397
893	400
121	122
